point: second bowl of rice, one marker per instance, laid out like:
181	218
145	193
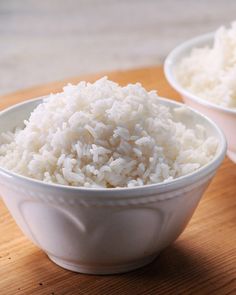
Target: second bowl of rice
203	70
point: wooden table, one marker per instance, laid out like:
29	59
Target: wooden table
202	261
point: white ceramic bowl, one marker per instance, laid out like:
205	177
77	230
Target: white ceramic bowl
223	116
104	231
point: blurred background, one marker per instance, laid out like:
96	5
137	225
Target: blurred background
44	41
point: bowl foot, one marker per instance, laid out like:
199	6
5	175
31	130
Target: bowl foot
102	269
232	156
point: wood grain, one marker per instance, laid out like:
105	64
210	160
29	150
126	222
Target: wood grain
202	261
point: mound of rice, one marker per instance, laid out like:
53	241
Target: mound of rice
104	135
210	72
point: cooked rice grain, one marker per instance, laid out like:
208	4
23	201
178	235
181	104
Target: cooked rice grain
210	72
104	135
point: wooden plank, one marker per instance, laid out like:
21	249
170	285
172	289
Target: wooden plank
201	261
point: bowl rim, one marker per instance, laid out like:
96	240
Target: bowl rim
137	191
170	63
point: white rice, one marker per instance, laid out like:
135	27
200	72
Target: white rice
210	72
104	135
